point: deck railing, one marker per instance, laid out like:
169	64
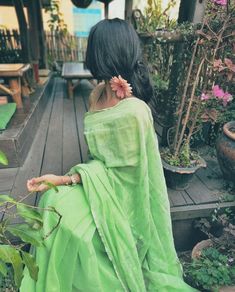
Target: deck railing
60	47
65	47
10	46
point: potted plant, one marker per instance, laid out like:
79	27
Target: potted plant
212	270
203	95
156	22
212	267
226	151
164	44
179	161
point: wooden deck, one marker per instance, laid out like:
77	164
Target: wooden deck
59	144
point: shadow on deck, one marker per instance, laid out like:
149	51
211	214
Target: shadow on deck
59	144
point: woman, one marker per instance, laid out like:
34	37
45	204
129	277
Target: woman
115	233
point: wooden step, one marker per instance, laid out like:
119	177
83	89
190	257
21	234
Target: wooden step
16	140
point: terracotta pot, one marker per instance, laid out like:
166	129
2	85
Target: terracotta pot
178	178
196	252
227	289
225	148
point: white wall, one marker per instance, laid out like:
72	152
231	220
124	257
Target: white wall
116	9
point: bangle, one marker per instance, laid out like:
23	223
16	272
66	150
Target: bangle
66	183
75	178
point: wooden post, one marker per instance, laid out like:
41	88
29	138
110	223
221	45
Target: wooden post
128	10
41	35
34	40
199	11
19	8
192	11
33	30
106	10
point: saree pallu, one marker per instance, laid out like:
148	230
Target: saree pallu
116	232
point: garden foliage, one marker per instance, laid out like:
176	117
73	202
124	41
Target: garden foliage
16	238
193	74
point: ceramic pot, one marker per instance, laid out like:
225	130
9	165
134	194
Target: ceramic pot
225	148
178	178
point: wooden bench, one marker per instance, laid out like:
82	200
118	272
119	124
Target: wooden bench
14	75
75	71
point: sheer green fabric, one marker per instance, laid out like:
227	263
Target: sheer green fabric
115	233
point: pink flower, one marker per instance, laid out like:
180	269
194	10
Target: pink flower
204	96
217	91
229	64
220	2
121	87
217	63
227	98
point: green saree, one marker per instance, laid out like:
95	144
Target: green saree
115	233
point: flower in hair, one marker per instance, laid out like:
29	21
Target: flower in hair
121	87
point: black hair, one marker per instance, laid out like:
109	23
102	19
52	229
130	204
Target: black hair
114	49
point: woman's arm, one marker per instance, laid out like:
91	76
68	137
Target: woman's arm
39	184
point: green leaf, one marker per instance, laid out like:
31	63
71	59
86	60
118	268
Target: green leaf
30	215
11	255
3	228
3	158
26	234
30	262
3	268
5	199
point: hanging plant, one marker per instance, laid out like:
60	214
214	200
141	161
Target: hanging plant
56	21
81	3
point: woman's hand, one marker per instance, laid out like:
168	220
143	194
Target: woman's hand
37	184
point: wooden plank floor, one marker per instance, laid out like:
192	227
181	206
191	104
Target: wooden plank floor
59	144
